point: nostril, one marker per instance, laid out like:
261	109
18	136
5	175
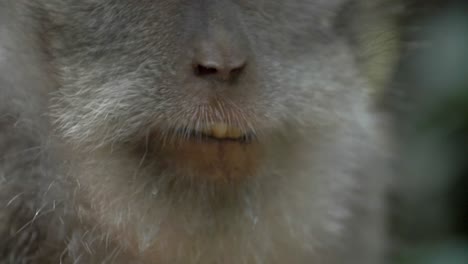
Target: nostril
223	72
201	70
237	70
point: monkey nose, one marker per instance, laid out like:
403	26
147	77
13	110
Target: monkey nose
220	56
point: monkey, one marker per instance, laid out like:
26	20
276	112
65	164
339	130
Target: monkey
204	131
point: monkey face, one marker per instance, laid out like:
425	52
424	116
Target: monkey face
206	84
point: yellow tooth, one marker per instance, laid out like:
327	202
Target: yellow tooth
234	133
219	130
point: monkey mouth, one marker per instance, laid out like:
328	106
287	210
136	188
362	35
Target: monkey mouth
218	151
217	132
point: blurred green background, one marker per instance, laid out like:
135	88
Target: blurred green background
430	100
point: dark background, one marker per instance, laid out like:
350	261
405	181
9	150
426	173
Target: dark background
429	96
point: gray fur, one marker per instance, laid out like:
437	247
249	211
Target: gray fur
84	82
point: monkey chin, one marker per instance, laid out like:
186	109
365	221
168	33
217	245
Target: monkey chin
210	159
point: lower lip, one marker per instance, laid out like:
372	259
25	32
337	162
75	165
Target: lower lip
211	158
213	140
